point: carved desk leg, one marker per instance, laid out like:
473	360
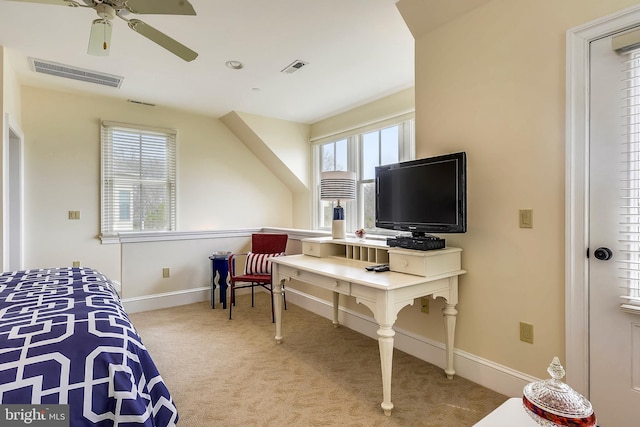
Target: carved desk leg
450	313
385	342
277	305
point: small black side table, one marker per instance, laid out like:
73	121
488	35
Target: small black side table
219	275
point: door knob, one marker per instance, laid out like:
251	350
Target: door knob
603	254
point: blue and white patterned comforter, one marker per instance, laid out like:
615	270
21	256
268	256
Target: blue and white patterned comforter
65	338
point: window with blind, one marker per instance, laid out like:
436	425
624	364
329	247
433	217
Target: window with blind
138	179
630	205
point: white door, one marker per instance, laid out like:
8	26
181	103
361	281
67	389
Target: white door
614	334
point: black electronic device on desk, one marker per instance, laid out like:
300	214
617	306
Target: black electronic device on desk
421	243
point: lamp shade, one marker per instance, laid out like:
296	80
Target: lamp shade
337	185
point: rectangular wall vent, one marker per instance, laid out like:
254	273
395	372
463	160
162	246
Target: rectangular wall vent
294	66
69	72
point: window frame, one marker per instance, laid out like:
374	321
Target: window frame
109	209
355	209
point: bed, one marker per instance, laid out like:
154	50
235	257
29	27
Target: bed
66	339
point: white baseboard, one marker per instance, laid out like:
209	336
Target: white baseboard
492	375
166	300
176	298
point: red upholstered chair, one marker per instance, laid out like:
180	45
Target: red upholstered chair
257	270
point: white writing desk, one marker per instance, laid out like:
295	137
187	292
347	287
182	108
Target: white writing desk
384	293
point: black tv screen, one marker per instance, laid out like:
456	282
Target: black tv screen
423	196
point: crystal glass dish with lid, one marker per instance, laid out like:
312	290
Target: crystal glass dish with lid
552	403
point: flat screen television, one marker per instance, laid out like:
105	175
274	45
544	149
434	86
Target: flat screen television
423	196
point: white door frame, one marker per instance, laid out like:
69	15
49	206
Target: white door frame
577	190
13	195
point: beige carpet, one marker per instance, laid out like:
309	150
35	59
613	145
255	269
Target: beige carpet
232	373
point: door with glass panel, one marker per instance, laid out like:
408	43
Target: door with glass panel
614	235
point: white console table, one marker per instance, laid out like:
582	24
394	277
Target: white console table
339	266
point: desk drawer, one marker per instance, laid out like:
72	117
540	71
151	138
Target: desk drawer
424	263
322	250
340	286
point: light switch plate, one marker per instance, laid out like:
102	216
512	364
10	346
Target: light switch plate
526	218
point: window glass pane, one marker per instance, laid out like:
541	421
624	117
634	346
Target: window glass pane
327	157
326	219
368	197
334	156
370	154
154	206
126	154
389	145
124	205
154	157
341	155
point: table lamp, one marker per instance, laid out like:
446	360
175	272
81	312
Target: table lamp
338	185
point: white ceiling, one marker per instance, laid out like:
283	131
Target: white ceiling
357	50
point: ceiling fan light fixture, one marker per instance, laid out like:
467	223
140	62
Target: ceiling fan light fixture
107	10
100	38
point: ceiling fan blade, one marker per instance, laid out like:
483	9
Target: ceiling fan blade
162	39
100	38
71	3
165	7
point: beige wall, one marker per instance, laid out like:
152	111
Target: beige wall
492	83
284	138
283	147
9	117
9	89
221	184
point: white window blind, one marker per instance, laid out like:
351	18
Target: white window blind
138	179
629	229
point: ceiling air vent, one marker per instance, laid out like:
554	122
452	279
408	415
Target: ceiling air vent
294	66
69	72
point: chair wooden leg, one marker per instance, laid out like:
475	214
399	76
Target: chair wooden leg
232	294
273	313
284	297
252	300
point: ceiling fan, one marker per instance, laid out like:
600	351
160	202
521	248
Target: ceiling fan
100	37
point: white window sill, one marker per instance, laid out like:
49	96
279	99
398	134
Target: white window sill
160	236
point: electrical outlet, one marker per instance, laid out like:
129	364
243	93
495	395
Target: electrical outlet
74	214
76	263
526	332
165	272
424	305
